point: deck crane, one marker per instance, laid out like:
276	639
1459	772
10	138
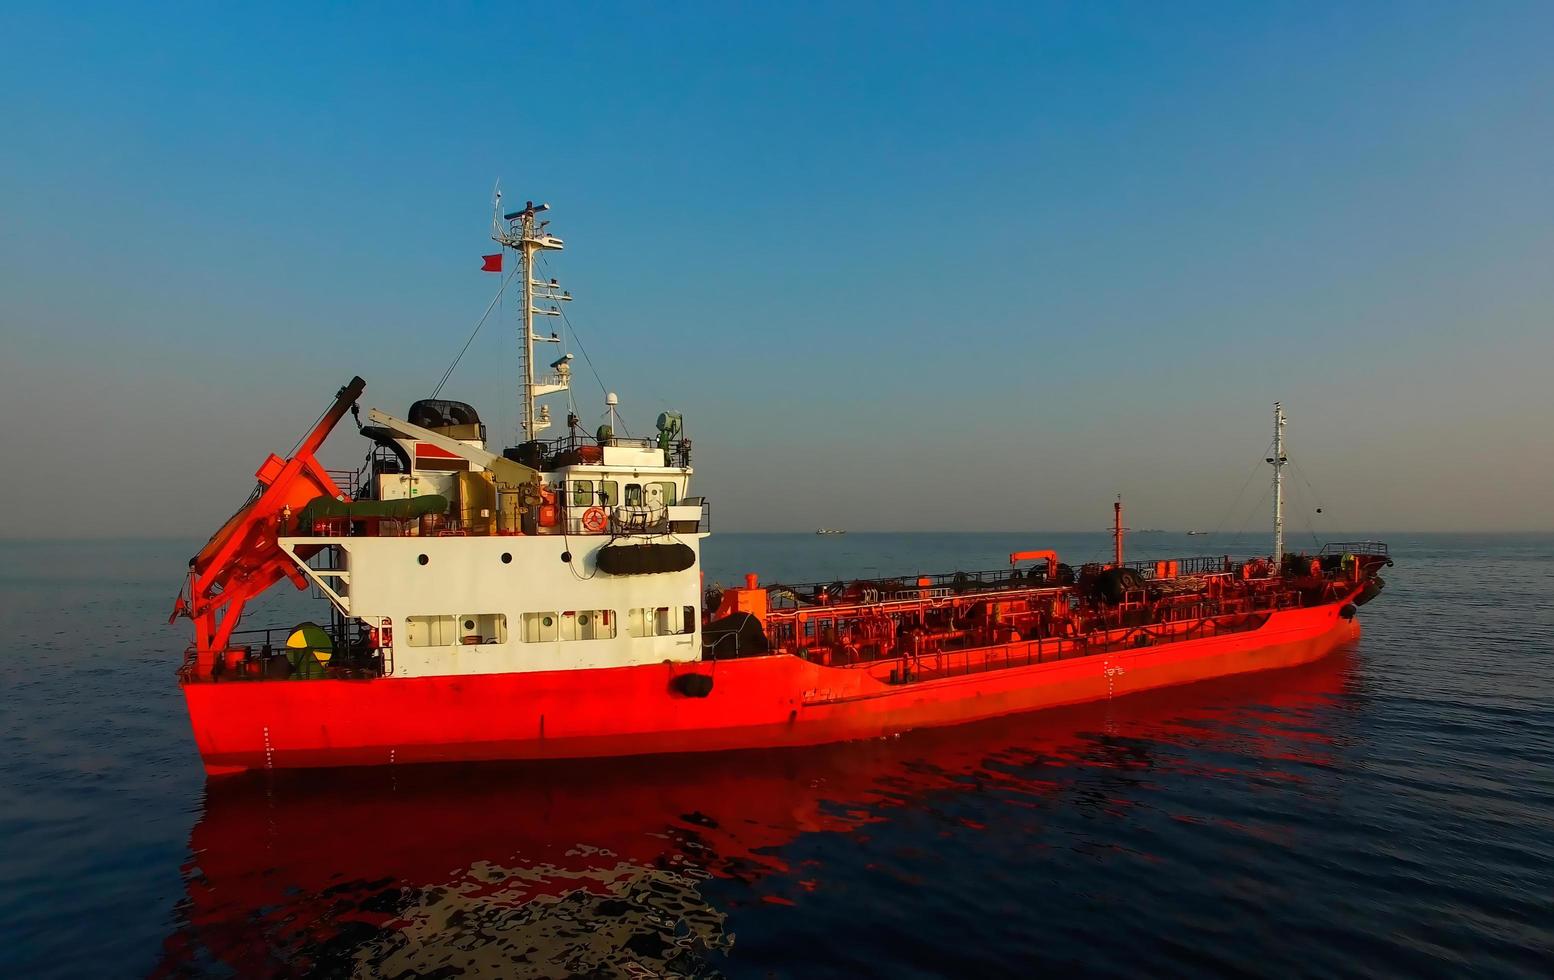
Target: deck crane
507	473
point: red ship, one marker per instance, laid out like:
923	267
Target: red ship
546	602
532	868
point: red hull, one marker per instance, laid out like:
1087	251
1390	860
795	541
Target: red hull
757	702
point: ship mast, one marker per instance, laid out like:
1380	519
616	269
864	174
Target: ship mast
1117	530
528	238
1278	459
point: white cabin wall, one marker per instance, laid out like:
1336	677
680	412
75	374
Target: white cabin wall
398	486
466	576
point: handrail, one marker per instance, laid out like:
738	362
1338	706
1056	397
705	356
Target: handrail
976	660
1378	548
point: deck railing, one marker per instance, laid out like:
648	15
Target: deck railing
1377	548
884	588
974	660
250	653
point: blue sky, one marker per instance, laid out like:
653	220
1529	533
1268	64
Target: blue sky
900	265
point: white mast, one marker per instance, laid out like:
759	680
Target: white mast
1278	459
528	238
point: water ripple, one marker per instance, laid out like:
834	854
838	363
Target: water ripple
1384	812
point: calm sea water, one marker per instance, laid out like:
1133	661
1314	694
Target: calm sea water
1387	811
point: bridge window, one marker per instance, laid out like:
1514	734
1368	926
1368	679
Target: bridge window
587	624
662	621
539	627
429	631
482	628
590	493
574	624
472	629
661	493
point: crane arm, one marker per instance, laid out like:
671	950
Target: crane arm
504	470
1051	558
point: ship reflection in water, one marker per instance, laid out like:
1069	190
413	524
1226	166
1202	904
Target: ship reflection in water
644	867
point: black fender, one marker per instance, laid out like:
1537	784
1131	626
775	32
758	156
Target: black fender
692	685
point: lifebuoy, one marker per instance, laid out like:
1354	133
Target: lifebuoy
594	519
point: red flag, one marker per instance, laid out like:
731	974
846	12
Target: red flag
493	263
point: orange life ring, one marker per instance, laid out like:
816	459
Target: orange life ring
594	520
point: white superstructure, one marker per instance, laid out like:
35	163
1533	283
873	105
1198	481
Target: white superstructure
582	552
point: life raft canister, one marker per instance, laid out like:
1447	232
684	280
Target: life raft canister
550	514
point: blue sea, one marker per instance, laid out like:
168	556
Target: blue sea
1388	811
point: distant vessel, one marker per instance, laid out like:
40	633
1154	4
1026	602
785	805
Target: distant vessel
830	530
1192	534
545	601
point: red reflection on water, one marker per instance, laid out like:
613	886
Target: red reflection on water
596	865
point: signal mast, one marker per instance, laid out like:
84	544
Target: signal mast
519	231
1278	459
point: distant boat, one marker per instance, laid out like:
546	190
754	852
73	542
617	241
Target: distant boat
1193	533
830	530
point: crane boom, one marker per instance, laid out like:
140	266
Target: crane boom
504	470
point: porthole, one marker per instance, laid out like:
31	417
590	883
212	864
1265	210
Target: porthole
549	621
582	619
469	624
423	559
507	558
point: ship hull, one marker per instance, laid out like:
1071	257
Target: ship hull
754	702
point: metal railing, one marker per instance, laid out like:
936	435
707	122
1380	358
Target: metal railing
1108	629
1198	565
353	482
575	448
800	595
249	654
1377	548
933	665
623	519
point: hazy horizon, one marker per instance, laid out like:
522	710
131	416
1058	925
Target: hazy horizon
947	268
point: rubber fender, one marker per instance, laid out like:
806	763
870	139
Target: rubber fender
1372	589
692	685
645	559
1348	610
